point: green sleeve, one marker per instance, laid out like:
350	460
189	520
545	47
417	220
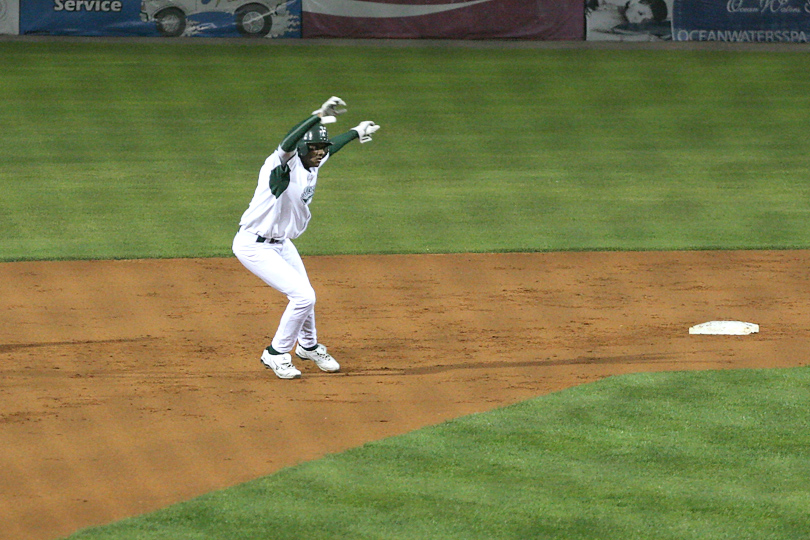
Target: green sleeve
339	141
291	140
279	180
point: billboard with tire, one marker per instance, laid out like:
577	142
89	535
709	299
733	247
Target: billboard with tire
251	18
167	18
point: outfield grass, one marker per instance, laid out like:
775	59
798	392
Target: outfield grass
128	149
675	456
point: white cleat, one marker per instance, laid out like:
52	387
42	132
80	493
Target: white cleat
281	364
321	358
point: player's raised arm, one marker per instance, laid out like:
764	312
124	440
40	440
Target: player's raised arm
326	114
290	141
361	131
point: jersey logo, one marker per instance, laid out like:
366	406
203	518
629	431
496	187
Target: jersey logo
308	193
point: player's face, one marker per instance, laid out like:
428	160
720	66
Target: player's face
315	155
637	13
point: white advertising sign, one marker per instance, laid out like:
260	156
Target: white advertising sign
9	17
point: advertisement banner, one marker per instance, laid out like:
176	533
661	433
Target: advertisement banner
9	17
439	19
168	18
628	20
741	20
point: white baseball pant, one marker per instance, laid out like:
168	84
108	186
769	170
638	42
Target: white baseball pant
280	266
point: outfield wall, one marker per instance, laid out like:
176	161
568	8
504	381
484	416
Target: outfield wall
543	20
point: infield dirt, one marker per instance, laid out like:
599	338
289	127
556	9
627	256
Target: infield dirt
126	386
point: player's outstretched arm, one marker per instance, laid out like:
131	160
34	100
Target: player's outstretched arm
290	141
326	114
361	131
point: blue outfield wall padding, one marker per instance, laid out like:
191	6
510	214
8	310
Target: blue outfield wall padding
741	20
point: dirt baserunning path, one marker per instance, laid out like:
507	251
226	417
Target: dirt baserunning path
126	386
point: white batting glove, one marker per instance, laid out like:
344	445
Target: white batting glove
365	129
329	110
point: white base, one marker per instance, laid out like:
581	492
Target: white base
725	328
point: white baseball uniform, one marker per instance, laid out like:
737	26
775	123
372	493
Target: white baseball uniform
275	260
277	214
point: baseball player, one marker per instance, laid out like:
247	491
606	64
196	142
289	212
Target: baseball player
279	213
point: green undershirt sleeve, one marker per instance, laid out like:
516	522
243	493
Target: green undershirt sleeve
291	139
339	141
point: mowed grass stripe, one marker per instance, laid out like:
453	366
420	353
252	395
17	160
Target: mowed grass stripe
128	149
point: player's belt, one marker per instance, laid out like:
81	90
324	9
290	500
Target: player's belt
262	239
